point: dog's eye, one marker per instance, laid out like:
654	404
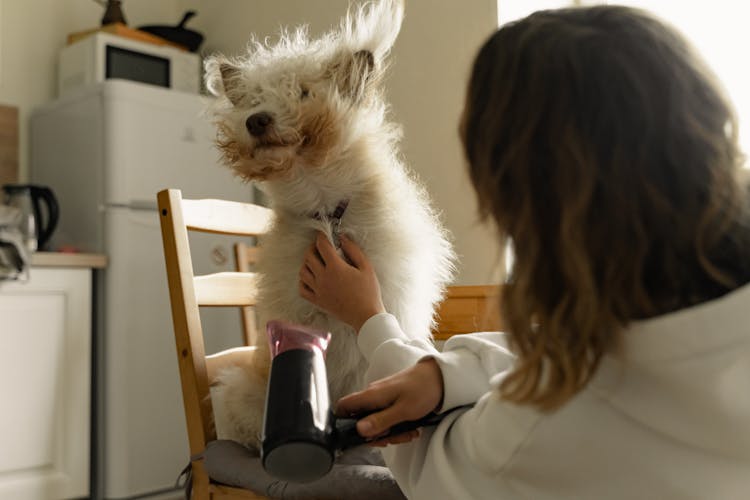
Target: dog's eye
304	93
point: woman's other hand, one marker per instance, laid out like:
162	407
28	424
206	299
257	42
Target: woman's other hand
407	395
347	290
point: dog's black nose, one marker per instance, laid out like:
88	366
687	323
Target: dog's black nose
257	123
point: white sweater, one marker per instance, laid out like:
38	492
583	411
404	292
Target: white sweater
667	417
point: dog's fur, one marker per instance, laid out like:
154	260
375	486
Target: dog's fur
329	140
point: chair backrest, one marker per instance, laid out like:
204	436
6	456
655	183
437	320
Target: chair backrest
189	292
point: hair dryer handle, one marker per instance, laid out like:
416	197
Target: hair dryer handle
348	437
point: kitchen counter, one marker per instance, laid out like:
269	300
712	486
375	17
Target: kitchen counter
60	259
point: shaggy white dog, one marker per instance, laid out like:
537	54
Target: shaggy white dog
307	120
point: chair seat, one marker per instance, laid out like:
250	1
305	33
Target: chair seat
358	474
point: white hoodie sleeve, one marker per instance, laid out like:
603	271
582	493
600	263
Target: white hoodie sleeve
467	362
463	456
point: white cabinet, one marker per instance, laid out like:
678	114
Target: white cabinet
45	382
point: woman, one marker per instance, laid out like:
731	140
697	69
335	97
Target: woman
603	148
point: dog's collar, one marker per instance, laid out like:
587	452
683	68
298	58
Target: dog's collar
334	216
335	219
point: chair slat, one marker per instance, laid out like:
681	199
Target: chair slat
246	256
226	217
226	289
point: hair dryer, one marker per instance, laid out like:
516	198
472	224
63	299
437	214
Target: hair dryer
301	436
297	441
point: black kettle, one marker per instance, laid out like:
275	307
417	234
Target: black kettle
38	223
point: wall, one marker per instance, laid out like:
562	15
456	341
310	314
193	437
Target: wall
31	34
430	65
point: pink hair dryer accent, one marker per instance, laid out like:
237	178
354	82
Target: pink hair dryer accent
283	336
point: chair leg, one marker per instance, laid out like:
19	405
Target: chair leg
200	482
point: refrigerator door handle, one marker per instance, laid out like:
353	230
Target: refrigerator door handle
147	205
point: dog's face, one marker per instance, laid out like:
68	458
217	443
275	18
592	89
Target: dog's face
299	103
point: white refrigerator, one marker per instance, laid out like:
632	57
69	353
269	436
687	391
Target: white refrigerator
106	151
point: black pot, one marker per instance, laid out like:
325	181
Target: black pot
178	34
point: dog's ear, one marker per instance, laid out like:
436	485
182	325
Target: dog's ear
224	79
352	73
367	33
373	27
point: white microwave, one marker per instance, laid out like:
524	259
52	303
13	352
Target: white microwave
102	56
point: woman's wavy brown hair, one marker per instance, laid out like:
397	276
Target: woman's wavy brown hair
606	152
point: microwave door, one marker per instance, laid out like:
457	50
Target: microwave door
137	66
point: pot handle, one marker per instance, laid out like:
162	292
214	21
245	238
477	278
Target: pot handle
188	15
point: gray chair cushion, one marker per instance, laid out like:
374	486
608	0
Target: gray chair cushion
358	474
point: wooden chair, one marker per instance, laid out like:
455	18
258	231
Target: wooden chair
187	293
466	309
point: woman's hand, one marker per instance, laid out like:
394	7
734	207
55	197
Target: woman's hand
407	395
347	290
